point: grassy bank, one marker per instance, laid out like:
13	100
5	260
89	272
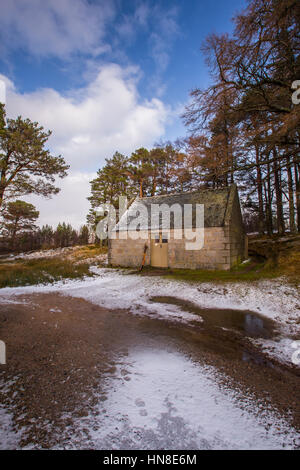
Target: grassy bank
49	266
251	271
87	252
40	271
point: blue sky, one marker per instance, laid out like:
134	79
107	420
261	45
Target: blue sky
104	75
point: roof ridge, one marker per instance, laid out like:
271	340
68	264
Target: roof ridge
186	192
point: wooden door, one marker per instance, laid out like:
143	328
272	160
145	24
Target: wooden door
159	251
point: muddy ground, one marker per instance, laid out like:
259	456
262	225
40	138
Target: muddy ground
61	349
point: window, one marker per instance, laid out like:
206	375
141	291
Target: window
160	238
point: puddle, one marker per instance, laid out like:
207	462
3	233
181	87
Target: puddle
249	323
259	360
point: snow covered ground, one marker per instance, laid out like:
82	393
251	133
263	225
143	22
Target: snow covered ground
9	437
40	254
119	289
161	399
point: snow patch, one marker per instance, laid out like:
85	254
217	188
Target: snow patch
9	437
119	289
162	400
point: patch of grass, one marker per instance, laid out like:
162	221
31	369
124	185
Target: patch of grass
234	275
283	253
88	251
40	271
252	271
289	264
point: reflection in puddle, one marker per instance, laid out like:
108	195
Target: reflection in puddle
257	359
250	323
253	325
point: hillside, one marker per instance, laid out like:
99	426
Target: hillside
282	254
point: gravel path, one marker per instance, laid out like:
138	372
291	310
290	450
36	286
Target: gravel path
83	376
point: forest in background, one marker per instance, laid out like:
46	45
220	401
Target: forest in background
244	128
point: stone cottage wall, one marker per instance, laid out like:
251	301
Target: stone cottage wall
238	238
214	255
128	253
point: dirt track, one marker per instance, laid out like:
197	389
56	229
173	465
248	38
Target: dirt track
61	349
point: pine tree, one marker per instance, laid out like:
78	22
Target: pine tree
19	217
26	166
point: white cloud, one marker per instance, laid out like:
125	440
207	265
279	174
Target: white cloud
160	24
91	123
2	92
161	38
70	205
88	126
55	27
142	14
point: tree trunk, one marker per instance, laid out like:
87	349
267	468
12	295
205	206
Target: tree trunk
1	198
291	196
141	188
268	198
3	181
261	223
268	212
154	184
14	233
297	182
2	190
278	192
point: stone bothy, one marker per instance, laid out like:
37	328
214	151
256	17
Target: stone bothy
224	242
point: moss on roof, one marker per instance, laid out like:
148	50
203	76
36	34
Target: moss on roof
217	207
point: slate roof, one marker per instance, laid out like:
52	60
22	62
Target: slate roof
217	206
